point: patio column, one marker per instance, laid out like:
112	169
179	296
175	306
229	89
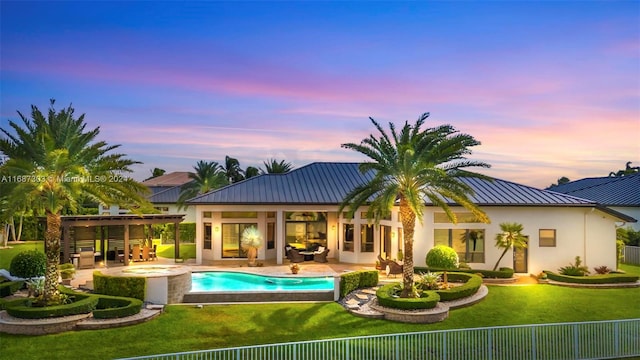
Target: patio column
279	237
66	249
126	244
176	226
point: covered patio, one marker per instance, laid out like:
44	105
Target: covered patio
104	233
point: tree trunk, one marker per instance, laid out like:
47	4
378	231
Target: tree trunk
408	219
52	250
500	259
20	227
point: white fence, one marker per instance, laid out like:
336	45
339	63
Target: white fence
581	340
632	255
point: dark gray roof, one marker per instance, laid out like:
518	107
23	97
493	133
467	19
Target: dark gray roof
166	195
608	191
316	183
328	183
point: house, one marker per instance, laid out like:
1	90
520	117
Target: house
165	191
620	193
299	209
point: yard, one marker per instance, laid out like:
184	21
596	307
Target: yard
185	328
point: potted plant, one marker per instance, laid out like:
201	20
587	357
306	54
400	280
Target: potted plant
294	268
66	273
251	241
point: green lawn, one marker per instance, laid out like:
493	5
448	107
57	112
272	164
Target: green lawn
7	254
185	328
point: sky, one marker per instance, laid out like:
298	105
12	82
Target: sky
549	88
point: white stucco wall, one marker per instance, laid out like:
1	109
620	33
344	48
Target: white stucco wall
579	232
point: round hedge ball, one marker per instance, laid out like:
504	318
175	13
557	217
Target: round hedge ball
28	264
442	257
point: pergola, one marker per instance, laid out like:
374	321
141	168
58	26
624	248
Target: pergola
110	221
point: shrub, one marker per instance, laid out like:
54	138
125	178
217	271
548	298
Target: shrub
357	280
471	285
503	273
82	304
575	269
595	279
187	233
428	281
442	257
604	269
387	296
110	307
122	286
8	288
28	264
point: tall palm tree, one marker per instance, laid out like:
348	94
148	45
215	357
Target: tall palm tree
54	162
510	237
233	170
208	175
408	167
274	166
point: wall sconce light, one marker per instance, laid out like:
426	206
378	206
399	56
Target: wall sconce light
393	234
217	229
333	227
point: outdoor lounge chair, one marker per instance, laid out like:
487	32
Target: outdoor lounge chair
145	253
86	259
295	256
321	257
393	268
383	263
135	253
119	254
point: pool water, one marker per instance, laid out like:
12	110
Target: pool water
236	281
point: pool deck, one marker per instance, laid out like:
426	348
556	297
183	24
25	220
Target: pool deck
84	278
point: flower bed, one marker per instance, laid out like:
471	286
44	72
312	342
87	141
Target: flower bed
594	279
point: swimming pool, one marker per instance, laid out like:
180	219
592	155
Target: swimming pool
229	281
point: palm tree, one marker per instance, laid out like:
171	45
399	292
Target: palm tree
510	237
208	175
407	167
276	167
56	162
232	169
156	172
251	171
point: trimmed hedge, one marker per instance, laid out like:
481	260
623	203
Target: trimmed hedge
357	280
503	273
132	287
83	304
110	307
387	297
471	286
8	288
28	264
594	279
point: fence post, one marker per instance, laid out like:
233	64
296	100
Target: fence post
576	340
534	345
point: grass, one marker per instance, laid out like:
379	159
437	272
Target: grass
6	254
185	328
187	251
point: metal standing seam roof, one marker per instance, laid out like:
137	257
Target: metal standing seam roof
608	191
328	183
165	196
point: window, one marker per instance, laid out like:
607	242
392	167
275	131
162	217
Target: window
385	241
463	217
162	208
363	215
271	235
239	214
306	230
347	237
468	243
366	238
207	237
547	237
206	214
231	236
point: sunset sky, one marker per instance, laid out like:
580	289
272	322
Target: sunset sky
550	88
